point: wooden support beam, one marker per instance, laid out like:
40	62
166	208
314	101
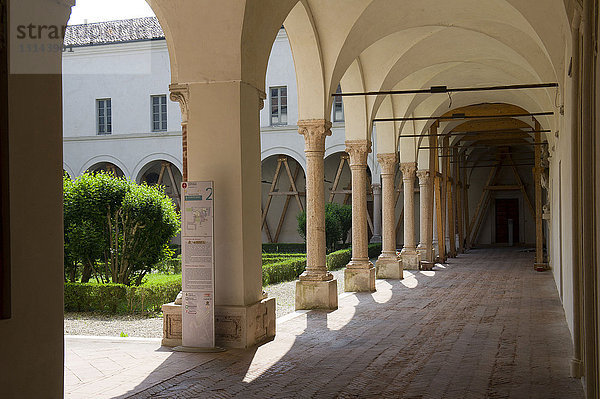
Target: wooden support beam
480	203
439	206
459	203
174	185
482	216
521	185
444	192
451	201
338	174
265	226
466	206
288	199
271	190
539	232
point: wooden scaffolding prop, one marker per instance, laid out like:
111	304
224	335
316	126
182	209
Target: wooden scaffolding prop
292	192
347	191
167	167
482	209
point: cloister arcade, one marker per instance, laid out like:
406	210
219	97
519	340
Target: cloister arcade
420	69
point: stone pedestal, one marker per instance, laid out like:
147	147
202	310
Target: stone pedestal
316	294
235	326
171	325
410	260
389	266
359	280
360	273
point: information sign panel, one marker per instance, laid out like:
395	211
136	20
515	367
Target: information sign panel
197	262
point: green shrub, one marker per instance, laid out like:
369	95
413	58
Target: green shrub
333	225
119	298
284	248
285	270
115	228
344	213
338	259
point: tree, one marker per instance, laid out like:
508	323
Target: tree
333	227
116	228
344	213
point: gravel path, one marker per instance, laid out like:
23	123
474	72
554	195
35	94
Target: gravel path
80	323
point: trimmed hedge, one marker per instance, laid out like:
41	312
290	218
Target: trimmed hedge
285	270
119	298
284	248
278	268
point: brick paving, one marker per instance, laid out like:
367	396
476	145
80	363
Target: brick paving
484	326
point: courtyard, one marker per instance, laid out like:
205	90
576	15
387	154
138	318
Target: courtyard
484	325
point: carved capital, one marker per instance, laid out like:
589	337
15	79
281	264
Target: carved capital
181	93
314	131
424	177
408	170
262	96
388	163
376	188
358	151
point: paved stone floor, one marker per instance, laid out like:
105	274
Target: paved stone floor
484	326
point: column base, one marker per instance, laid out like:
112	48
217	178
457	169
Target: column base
541	267
235	326
245	326
576	368
389	267
359	279
410	259
316	295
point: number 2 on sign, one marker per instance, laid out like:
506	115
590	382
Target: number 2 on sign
209	197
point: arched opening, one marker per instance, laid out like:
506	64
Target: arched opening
106	167
162	173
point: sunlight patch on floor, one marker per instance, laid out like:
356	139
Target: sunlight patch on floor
410	280
384	292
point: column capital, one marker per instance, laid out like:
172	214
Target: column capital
408	170
424	176
314	131
388	163
358	151
376	188
181	93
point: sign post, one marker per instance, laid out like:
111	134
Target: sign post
198	268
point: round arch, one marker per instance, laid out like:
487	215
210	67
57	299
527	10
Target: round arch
104	158
143	164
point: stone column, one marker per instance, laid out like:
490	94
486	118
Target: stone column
388	264
409	254
316	288
360	273
180	93
425	213
376	212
